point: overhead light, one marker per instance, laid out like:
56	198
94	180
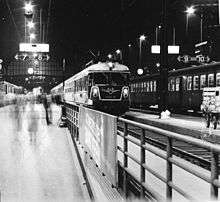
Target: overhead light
28	7
30	25
118	51
142	37
140	71
32	36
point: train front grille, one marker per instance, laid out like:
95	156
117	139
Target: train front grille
109	92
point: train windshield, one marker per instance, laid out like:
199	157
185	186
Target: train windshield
112	78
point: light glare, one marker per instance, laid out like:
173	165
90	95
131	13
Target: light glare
142	37
190	10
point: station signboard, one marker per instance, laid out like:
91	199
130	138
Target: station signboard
34	47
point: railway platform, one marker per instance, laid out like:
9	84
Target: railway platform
183	124
36	162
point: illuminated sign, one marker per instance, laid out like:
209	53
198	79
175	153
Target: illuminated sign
34	47
155	49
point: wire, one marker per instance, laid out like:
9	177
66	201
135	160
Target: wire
12	17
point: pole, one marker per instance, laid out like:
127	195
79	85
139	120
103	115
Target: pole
64	64
187	24
156	37
25	29
140	52
41	25
174	36
164	62
201	27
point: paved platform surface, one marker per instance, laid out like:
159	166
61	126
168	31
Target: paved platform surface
36	162
183	124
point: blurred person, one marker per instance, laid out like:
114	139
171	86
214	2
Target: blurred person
32	123
46	105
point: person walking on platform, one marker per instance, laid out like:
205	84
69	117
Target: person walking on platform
46	107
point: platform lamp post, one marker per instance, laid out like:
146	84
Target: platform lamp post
163	83
141	39
63	121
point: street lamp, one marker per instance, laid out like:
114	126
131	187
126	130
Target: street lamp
119	52
110	56
141	39
28	8
189	11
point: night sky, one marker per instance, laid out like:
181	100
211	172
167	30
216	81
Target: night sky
74	29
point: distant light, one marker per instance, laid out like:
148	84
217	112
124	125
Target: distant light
30	25
190	10
129	45
159	26
118	51
140	71
30	70
174	69
26	79
32	36
142	37
28	7
36	62
158	64
109	56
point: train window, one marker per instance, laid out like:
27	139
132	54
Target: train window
172	81
177	84
195	82
202	81
155	86
169	82
210	80
151	86
184	82
147	87
189	83
218	79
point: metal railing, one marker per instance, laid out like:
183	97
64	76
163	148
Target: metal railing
170	161
72	115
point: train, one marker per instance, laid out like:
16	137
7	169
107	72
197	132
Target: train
185	87
103	86
8	92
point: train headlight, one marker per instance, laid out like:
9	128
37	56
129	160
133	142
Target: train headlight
125	92
95	92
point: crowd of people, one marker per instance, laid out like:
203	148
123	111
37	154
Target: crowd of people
26	108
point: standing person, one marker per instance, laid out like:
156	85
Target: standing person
46	107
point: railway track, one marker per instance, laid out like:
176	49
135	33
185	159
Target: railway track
197	156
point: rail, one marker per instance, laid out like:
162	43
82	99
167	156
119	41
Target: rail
170	161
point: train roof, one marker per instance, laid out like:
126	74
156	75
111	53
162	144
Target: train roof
186	70
57	87
100	67
11	84
195	68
